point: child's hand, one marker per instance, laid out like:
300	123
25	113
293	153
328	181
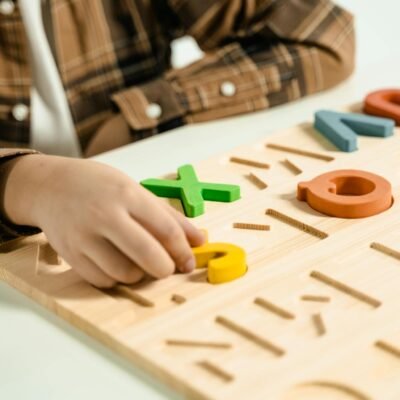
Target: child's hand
102	223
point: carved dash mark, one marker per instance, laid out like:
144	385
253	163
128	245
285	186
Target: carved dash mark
320	299
49	255
300	152
127	292
339	387
292	167
28	256
297	224
280	312
319	324
250	163
251	336
346	289
385	250
194	343
216	371
178	299
255	227
256	180
388	348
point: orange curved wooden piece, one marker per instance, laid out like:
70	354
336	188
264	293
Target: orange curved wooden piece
347	193
384	103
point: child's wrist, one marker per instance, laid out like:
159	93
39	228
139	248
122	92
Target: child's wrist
26	178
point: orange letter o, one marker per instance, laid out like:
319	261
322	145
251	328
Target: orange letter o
347	194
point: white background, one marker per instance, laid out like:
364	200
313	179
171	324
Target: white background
42	357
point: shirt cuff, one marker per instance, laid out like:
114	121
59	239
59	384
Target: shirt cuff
153	106
8	230
224	83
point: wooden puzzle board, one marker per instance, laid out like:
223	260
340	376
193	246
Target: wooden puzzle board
340	345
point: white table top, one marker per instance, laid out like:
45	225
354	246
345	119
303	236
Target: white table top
42	357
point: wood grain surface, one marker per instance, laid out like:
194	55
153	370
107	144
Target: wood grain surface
343	343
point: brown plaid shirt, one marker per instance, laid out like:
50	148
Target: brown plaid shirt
114	57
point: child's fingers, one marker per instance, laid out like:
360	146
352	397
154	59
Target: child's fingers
89	271
154	217
140	246
194	235
113	263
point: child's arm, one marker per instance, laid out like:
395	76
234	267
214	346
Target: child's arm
258	54
102	223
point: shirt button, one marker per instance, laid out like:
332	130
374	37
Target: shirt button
20	112
228	89
7	7
154	111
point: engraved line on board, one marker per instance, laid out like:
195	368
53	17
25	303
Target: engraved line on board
178	299
279	311
340	387
316	298
319	324
129	293
250	163
255	227
300	152
385	250
196	343
215	370
249	335
291	166
388	348
346	289
297	224
256	180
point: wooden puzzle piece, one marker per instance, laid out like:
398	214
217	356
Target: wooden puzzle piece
191	191
342	128
225	262
140	322
384	103
347	193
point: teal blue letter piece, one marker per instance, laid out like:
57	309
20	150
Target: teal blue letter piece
342	128
191	192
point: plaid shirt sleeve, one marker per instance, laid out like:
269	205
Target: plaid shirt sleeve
8	230
259	53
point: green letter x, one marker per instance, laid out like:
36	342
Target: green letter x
191	192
